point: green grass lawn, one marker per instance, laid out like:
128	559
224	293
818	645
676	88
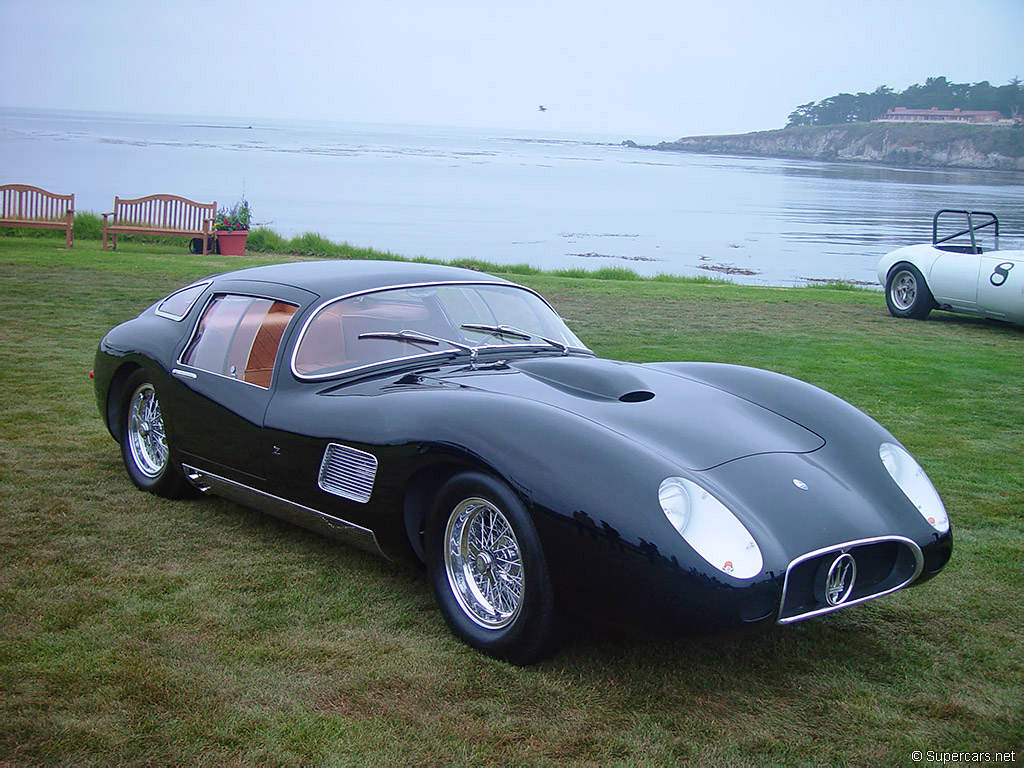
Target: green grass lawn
139	630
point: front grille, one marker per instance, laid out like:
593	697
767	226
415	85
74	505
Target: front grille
881	566
348	472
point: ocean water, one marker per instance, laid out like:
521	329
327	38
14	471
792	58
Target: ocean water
549	200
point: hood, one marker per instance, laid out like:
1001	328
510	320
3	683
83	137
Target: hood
694	424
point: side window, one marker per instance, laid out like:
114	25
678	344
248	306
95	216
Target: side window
238	337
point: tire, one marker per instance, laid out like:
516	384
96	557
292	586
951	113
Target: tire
907	294
195	245
488	572
147	454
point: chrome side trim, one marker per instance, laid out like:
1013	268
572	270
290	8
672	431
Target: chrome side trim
182	374
347	472
314	519
918	567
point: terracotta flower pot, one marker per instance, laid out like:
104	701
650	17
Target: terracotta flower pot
232	243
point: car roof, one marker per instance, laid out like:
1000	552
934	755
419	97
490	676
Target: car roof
342	277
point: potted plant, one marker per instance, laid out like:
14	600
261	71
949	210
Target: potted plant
232	227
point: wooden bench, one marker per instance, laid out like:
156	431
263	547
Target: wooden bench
26	206
160	215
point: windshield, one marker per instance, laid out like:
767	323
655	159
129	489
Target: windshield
402	323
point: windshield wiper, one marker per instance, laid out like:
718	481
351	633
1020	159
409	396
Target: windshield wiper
516	333
416	337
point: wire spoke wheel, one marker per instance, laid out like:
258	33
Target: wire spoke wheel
488	571
484	563
147	440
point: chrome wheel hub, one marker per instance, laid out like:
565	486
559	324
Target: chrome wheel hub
484	563
146	439
904	290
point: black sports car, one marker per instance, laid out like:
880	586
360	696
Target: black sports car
436	414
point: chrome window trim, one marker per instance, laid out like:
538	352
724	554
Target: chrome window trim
351	533
178	318
425	355
918	567
439	355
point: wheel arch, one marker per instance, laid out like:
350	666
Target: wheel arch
115	398
920	256
421	493
893	267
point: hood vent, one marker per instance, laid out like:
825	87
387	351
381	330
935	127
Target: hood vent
589	378
638	396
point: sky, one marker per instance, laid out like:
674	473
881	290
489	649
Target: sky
634	68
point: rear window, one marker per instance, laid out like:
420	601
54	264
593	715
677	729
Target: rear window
180	303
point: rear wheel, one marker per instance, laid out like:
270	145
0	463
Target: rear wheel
144	446
907	294
488	571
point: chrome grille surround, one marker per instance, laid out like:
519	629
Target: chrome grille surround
347	472
888	563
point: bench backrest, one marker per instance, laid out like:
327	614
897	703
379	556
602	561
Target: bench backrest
21	201
164	211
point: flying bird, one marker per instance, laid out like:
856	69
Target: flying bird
542	108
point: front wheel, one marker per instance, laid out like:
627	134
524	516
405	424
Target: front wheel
907	294
488	572
144	446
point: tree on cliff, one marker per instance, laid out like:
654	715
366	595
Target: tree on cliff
936	92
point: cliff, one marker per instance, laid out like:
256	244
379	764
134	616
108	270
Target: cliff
937	146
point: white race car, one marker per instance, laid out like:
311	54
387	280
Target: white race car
957	276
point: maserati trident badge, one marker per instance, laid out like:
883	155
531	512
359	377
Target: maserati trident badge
840	578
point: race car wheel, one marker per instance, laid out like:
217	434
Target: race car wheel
144	447
488	572
907	294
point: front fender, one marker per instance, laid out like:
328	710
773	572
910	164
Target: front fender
593	495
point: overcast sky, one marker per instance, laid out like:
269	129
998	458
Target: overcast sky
637	68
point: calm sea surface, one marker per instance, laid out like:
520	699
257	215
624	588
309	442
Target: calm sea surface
553	201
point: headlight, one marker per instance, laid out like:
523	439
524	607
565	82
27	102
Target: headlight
710	528
915	484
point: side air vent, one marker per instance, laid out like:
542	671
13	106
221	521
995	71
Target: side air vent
348	473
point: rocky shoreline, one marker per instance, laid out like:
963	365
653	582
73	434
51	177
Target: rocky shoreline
908	145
